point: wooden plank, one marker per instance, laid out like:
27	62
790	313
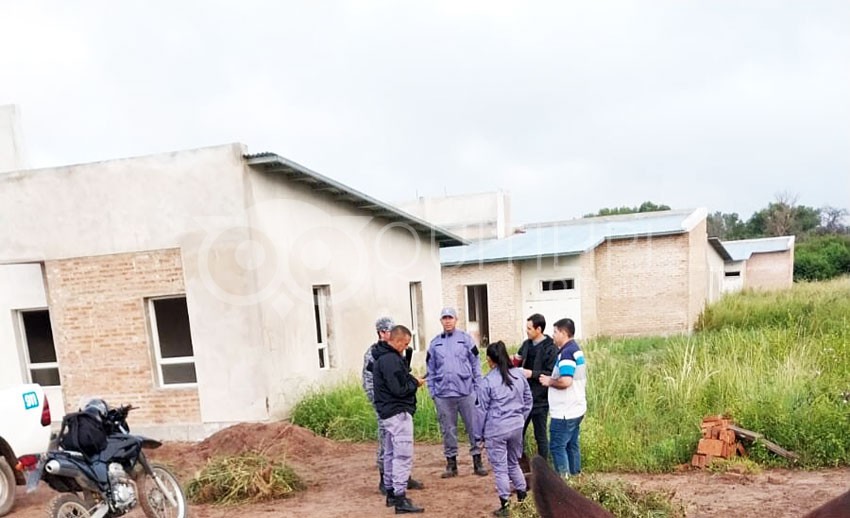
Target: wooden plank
782	452
745	434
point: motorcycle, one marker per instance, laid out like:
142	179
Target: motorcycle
112	481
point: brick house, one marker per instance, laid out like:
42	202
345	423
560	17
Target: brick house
759	264
647	273
205	286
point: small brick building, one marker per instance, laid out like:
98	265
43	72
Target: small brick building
636	274
759	264
205	286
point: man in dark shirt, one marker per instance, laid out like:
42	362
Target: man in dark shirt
395	401
537	356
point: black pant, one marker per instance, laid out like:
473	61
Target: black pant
539	417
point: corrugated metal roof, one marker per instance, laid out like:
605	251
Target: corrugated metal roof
742	250
270	162
572	237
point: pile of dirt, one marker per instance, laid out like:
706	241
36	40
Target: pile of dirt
277	441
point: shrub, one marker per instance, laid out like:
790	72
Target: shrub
242	478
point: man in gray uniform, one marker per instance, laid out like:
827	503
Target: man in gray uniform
453	372
382	326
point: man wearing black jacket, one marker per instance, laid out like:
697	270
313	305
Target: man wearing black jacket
537	356
395	401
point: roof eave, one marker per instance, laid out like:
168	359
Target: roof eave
272	163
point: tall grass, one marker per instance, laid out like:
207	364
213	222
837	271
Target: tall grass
777	363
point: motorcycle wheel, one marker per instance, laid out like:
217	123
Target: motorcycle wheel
154	502
67	505
7	487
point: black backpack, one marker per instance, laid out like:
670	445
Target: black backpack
82	432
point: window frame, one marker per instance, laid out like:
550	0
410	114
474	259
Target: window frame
322	324
159	361
25	350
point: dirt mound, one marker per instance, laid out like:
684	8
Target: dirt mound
275	440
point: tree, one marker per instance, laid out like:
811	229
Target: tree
784	217
727	226
646	206
832	221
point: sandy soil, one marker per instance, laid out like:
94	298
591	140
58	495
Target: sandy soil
342	482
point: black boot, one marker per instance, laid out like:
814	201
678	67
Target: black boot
520	495
390	497
503	510
451	468
403	505
478	466
381	487
414	484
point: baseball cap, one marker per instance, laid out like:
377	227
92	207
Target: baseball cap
448	312
384	324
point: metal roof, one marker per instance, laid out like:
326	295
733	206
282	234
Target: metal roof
742	250
572	237
272	163
717	245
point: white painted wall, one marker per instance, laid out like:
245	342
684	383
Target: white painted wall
472	216
21	287
12	154
716	275
734	284
553	305
368	264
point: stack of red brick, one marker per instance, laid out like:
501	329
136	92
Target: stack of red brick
718	440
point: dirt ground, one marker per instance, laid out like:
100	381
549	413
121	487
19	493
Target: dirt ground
342	482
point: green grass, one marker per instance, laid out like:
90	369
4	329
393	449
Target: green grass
777	363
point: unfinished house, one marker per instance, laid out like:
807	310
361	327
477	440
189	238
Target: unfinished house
206	287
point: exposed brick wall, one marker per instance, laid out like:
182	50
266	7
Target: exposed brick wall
770	271
97	308
504	296
589	295
643	285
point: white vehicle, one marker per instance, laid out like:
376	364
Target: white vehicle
24	435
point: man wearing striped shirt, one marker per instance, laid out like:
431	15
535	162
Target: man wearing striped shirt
567	400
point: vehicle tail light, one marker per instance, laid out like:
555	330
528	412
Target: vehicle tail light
27	462
45	412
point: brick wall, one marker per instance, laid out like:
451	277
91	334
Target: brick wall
643	285
770	271
503	294
97	308
589	295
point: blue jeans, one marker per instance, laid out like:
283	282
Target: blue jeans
563	444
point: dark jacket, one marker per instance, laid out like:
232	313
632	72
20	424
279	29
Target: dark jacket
544	363
395	388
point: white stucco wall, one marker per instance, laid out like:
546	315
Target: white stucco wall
12	154
716	275
367	263
21	287
472	216
553	305
734	284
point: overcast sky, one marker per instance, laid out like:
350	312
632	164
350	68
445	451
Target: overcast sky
569	106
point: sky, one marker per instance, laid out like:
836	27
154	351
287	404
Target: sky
569	106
